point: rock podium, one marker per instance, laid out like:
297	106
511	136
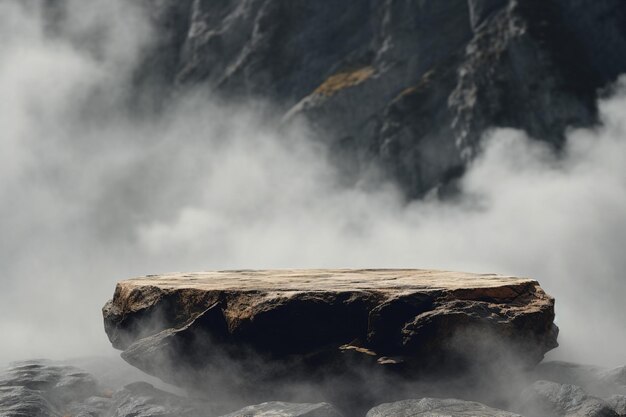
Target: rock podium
257	326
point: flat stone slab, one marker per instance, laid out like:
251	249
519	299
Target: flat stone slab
403	319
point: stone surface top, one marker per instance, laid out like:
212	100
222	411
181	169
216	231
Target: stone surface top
326	280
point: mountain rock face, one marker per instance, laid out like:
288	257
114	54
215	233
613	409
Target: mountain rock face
409	85
245	329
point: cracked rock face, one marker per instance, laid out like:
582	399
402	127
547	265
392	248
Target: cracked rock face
439	72
407	85
297	325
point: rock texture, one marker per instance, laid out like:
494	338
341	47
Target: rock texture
22	402
410	85
282	409
268	325
595	380
618	404
44	389
141	399
431	407
544	398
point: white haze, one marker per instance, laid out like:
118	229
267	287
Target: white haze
91	195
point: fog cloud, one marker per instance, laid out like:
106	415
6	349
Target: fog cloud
92	194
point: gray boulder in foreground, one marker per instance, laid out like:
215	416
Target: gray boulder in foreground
432	407
550	399
283	409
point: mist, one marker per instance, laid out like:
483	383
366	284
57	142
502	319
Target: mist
93	193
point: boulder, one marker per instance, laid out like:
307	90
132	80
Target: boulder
595	380
91	407
216	330
615	377
431	407
60	384
282	409
24	402
550	399
618	404
141	399
43	388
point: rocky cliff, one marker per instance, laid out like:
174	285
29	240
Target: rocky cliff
409	85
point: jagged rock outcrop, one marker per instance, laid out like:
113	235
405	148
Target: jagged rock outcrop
409	85
245	328
429	407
